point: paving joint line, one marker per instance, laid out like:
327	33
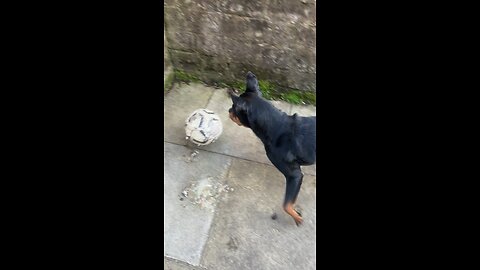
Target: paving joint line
227	155
209	98
183	262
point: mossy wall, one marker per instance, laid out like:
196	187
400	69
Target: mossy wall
168	72
219	41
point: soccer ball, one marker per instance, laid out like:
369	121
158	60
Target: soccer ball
203	127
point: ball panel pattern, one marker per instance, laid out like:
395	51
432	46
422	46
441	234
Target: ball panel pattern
203	127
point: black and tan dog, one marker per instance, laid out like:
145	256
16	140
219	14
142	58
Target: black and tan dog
289	140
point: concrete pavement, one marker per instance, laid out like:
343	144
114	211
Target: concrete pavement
219	198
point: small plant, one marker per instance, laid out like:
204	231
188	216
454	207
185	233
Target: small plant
269	90
168	82
185	77
292	97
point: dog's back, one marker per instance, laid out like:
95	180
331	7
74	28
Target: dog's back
292	136
305	139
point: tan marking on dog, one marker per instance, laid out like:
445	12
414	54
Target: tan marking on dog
289	209
235	119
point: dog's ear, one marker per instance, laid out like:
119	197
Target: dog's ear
252	84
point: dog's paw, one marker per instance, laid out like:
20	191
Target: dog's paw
294	213
298	210
298	220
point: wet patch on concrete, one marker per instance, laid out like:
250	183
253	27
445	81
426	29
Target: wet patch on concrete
187	225
205	192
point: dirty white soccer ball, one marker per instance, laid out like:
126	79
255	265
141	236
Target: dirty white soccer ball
203	127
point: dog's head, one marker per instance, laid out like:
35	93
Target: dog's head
239	110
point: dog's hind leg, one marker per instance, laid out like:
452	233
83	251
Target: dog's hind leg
293	177
293	184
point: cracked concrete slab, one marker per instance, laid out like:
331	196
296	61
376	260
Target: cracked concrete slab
219	199
304	110
187	216
282	105
172	264
244	235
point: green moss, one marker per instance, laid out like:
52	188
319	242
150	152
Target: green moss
168	82
310	97
185	77
238	85
269	90
294	96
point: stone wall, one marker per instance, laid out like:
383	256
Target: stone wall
167	64
221	40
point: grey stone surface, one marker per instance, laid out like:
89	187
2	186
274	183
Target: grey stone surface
282	105
275	39
186	223
243	234
172	264
166	58
180	102
219	200
167	65
303	110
